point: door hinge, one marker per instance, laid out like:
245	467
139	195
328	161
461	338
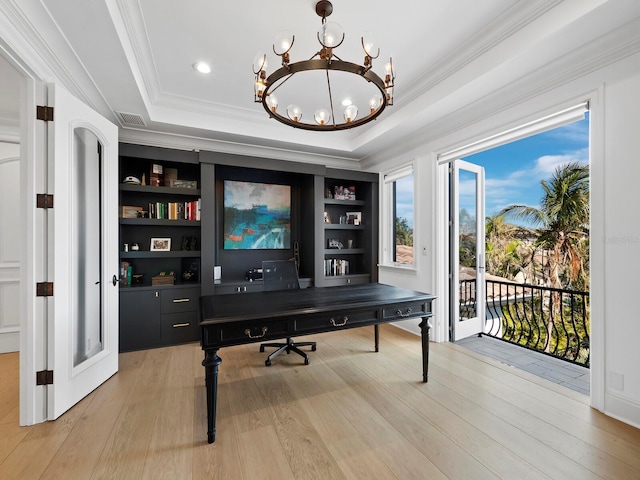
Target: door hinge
44	200
44	289
44	113
44	377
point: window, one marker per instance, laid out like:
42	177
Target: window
398	215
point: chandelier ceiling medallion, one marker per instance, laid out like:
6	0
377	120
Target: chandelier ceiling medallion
320	96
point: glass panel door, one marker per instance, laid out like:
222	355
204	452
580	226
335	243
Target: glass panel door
468	250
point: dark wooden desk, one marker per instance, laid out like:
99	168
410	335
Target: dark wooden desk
254	317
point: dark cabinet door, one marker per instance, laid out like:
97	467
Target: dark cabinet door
139	319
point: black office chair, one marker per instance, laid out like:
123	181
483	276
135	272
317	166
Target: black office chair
283	275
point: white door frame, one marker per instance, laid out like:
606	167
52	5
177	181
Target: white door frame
35	174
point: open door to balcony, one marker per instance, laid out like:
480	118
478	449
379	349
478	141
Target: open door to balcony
467	249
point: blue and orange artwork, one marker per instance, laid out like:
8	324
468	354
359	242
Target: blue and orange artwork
256	215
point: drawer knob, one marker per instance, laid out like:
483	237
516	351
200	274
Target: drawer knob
180	300
345	319
247	332
400	314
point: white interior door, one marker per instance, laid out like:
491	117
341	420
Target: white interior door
468	288
83	232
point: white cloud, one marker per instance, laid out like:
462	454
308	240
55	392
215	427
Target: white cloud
547	164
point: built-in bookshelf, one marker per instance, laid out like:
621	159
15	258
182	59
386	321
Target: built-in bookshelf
160	200
349	228
159	223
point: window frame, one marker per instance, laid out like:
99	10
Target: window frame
388	181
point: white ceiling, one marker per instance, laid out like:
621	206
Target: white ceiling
136	57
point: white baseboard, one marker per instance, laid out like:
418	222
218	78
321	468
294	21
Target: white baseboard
623	409
9	342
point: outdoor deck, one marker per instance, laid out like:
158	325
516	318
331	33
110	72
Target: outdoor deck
558	371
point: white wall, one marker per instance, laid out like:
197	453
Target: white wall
10	242
621	244
614	94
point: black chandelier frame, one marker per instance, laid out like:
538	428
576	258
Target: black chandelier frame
325	60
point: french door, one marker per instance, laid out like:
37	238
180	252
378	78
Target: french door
82	231
468	288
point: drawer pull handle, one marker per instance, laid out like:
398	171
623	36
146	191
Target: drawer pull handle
345	319
400	314
247	332
178	325
181	300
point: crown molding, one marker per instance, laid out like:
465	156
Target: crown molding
132	31
189	142
512	20
596	55
47	55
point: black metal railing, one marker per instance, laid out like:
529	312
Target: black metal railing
548	320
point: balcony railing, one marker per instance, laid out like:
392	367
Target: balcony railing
548	320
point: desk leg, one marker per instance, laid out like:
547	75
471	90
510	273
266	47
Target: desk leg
425	326
210	364
376	336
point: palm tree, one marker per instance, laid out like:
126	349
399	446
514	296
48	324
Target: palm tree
562	224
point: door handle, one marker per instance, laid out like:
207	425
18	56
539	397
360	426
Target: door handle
114	280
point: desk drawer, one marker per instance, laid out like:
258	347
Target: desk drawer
336	320
180	300
408	310
232	334
180	328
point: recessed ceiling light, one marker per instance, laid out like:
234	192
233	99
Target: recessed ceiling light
346	102
202	67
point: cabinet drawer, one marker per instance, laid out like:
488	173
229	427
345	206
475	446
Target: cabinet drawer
180	300
335	320
242	333
397	312
180	328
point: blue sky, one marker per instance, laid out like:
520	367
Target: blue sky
513	171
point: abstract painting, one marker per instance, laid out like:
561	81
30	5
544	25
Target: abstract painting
256	216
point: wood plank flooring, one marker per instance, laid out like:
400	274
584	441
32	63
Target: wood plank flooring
350	414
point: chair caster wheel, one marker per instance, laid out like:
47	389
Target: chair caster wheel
267	363
306	361
313	348
261	349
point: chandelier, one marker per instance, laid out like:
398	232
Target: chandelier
326	116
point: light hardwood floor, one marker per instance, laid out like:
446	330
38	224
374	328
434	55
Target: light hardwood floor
350	414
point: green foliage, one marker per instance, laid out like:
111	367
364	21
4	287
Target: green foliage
404	233
561	226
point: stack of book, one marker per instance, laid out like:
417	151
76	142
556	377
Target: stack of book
175	210
336	266
126	273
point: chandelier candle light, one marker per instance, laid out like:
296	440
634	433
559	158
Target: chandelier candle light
330	37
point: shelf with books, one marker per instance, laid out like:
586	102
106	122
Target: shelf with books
349	227
159	222
160	234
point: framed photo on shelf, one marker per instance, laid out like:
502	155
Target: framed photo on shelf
160	245
334	243
327	217
131	212
354	218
